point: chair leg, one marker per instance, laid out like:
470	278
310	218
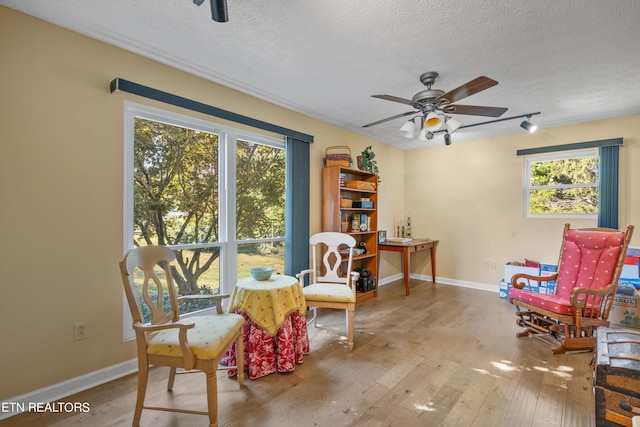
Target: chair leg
240	358
143	375
350	317
314	318
172	377
212	398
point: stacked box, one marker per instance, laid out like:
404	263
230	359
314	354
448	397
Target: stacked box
504	289
548	270
625	310
511	270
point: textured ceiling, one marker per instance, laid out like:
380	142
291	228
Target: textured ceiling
572	60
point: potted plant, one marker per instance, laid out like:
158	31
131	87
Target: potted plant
367	163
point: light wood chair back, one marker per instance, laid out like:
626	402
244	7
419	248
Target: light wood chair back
194	343
332	284
326	247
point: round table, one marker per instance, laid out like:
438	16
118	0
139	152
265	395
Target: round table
275	332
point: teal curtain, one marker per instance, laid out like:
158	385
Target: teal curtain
608	189
296	214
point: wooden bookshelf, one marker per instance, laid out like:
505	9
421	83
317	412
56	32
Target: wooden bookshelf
334	181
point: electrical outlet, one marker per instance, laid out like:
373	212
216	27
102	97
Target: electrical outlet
486	263
80	331
493	264
513	234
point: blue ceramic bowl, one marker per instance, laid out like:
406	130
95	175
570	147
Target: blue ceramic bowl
261	273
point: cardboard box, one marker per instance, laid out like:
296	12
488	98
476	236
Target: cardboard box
625	311
510	270
630	271
504	289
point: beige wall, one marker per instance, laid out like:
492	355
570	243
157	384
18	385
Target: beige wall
61	191
469	196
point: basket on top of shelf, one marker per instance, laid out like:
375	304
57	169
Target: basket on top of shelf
338	155
346	203
361	185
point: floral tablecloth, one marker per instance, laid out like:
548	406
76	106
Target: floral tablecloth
275	332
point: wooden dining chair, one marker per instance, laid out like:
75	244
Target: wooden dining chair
328	287
195	343
589	267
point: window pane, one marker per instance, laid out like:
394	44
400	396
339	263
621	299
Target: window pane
260	179
564	201
175	195
581	170
260	255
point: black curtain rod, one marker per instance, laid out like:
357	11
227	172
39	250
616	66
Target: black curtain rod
119	84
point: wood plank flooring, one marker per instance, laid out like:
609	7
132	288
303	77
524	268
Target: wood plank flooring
443	356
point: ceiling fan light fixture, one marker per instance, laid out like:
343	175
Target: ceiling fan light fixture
408	129
433	121
452	124
528	126
447	139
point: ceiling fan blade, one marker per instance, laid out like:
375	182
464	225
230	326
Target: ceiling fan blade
394	99
474	110
474	86
408	113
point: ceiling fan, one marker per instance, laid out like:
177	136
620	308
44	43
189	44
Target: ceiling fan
433	105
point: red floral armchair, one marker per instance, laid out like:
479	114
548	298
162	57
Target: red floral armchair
589	267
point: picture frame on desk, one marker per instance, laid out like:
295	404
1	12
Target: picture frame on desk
382	236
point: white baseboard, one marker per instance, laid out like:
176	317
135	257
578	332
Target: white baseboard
19	404
444	281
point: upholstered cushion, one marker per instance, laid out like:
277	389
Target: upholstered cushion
209	339
588	260
555	303
328	292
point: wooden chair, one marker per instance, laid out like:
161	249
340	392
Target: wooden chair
589	267
332	289
197	342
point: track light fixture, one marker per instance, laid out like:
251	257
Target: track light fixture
528	126
219	11
433	122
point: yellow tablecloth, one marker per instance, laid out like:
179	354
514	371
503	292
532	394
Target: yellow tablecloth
268	302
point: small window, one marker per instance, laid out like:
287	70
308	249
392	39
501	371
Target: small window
561	185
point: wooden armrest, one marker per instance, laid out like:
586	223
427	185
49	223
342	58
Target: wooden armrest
528	278
152	328
217	298
187	354
301	275
354	280
201	296
578	296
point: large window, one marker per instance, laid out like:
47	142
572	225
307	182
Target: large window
562	184
214	194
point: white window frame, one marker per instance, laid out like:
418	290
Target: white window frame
227	137
526	186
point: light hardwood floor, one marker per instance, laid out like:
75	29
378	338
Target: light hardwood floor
443	356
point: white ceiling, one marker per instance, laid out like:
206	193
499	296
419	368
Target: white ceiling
572	60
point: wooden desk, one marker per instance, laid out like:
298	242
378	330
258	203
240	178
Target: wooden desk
407	249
